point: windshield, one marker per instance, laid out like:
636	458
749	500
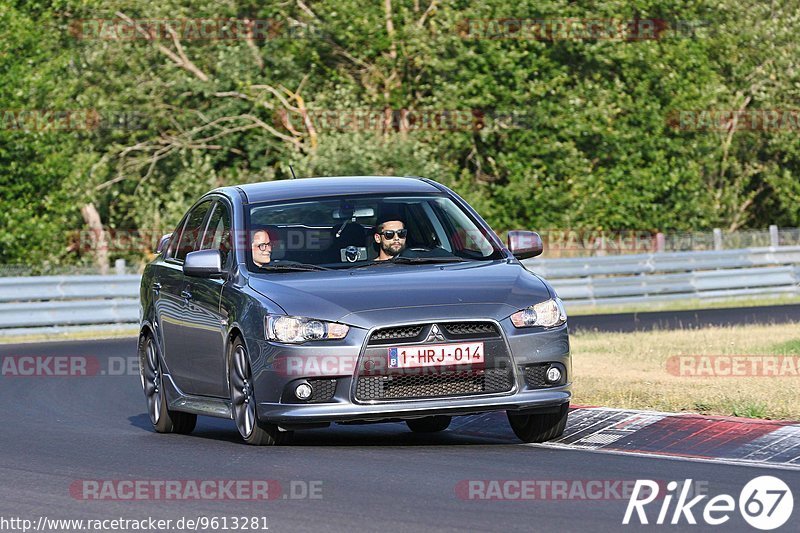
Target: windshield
347	232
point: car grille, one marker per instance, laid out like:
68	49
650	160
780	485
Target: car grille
461	329
377	382
434	385
416	332
394	334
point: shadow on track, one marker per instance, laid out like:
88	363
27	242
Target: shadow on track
489	429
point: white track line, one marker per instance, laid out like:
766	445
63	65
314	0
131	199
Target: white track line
731	462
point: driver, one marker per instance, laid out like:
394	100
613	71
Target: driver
390	236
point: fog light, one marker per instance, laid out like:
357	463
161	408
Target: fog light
553	374
303	391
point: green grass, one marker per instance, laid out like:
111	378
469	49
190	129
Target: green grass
786	348
632	371
70	336
750	410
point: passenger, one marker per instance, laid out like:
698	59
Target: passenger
390	236
262	246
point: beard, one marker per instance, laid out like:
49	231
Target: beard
392	248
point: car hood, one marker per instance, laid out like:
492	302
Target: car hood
401	293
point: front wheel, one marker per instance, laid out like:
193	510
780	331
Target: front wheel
541	427
252	430
151	375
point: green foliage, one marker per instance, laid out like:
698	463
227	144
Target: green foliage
577	133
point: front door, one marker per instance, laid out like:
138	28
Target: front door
173	299
206	328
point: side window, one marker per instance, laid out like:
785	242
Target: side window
192	231
218	233
173	241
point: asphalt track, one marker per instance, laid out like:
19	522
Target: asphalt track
55	431
700	318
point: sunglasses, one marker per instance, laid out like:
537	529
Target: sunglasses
264	245
389	233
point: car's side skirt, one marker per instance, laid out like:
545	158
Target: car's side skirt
199	405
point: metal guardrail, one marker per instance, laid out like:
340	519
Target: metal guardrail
55	301
47	301
672	276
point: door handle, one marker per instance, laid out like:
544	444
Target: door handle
186	295
156	287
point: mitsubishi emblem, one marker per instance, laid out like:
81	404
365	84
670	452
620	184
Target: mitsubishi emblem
435	334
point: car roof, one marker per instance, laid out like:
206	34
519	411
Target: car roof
290	189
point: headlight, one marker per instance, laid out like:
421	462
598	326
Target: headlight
546	314
292	329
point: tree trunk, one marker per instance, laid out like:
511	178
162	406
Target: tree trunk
97	235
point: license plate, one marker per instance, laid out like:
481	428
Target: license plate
436	355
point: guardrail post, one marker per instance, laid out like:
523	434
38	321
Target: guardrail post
774	238
119	267
717	239
661	242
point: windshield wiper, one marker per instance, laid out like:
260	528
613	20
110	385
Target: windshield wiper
411	261
292	266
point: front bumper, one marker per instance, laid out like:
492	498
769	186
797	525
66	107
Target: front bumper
533	401
525	346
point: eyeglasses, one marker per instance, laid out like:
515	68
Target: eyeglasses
263	246
389	233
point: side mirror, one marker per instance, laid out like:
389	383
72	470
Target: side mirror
162	244
525	244
204	264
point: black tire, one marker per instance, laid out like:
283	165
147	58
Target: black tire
429	424
539	428
243	401
152	378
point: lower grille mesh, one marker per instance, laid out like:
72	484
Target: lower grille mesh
322	390
454	383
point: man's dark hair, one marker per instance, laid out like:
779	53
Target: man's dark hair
379	226
271	230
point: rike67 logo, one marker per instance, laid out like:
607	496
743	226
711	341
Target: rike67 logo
765	503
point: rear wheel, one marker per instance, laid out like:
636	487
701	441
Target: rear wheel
429	424
541	427
163	420
252	430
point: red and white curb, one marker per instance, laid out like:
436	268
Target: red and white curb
719	438
734	440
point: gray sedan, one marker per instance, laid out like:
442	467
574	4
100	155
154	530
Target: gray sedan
295	304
